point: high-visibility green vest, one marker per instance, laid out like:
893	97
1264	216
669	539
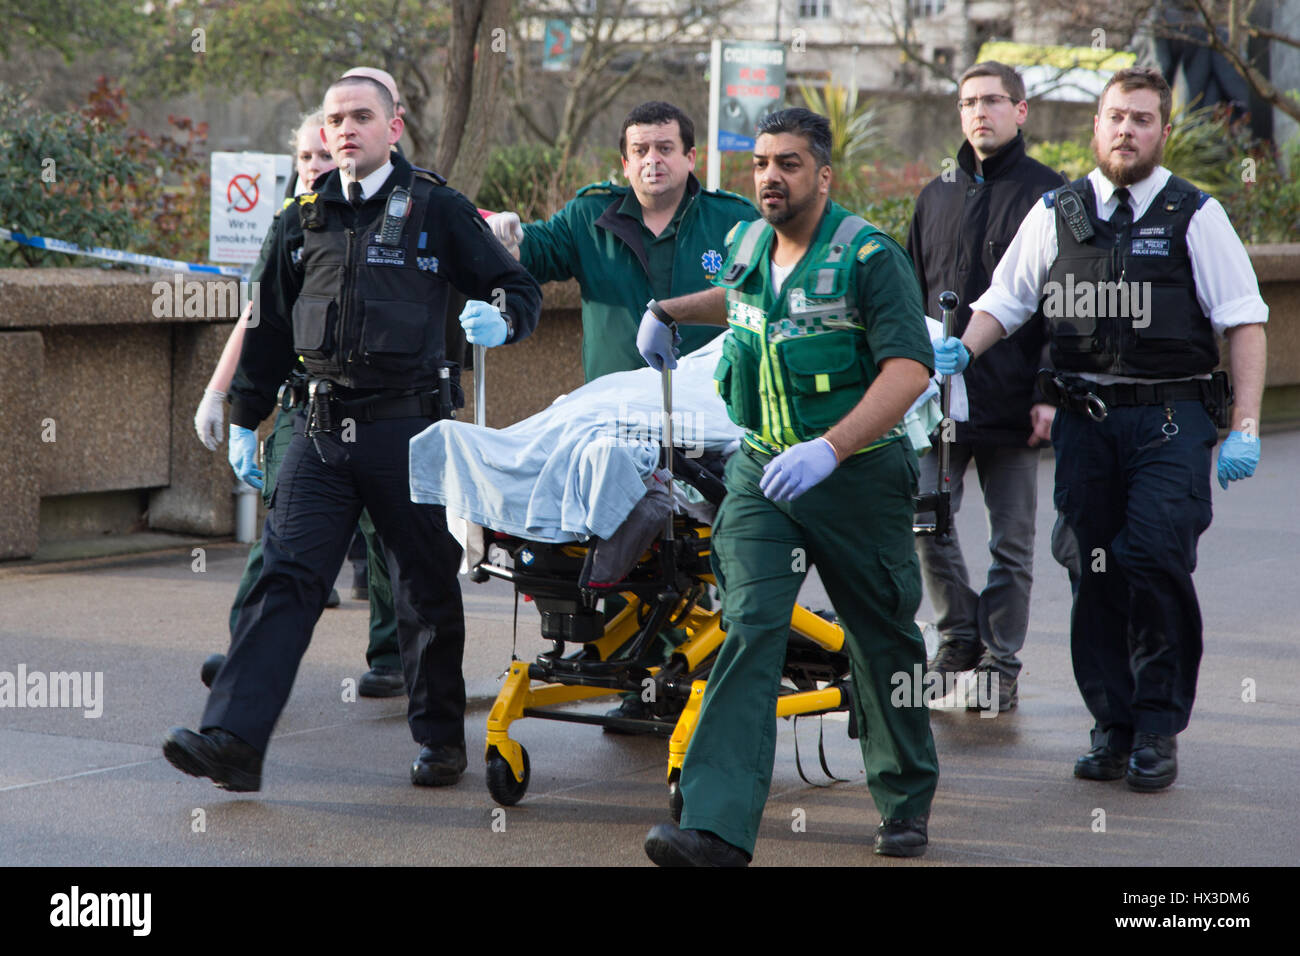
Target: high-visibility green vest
797	363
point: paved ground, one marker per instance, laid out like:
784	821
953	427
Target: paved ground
80	791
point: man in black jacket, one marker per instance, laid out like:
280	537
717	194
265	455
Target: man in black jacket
964	221
361	281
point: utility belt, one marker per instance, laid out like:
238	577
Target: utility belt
327	411
1095	400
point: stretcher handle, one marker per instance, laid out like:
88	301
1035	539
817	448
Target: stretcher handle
667	376
480	385
948	303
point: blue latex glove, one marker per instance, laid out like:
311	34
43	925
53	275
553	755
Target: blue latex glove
483	324
1238	456
797	469
243	455
950	356
656	342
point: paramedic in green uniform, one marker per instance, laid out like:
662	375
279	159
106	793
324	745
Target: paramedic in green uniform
828	351
661	238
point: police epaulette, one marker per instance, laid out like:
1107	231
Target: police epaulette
606	188
435	178
729	195
1049	198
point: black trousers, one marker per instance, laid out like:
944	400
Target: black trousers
1135	502
323	484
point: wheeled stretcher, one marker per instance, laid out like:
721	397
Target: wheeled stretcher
550	554
593	657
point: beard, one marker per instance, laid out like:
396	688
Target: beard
787	212
1126	175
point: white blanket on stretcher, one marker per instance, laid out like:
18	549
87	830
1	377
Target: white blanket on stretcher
577	467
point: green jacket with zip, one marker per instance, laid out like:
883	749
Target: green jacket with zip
600	239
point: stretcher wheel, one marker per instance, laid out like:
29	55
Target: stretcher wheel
502	785
675	801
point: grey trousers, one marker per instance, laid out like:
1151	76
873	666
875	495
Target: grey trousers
998	616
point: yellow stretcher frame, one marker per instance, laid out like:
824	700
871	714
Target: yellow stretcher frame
508	767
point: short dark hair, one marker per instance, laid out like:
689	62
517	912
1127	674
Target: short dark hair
1011	81
813	127
385	98
656	113
1141	78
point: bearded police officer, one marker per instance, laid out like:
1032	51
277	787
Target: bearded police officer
359	284
1136	271
828	349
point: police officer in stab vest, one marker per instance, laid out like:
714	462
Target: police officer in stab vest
1136	271
358	285
828	349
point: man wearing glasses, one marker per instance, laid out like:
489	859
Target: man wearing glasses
964	221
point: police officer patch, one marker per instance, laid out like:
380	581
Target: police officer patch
381	255
427	263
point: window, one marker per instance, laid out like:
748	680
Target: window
815	9
927	8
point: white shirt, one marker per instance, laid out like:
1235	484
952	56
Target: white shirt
1226	287
370	185
779	275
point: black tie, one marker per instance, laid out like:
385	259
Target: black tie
1122	217
354	194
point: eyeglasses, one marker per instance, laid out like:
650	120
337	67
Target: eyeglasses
988	102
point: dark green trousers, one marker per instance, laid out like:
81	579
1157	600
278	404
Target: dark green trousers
382	651
856	527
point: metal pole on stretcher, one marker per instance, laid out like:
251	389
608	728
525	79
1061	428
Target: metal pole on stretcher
940	500
480	386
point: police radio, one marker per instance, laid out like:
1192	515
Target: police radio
1072	211
399	205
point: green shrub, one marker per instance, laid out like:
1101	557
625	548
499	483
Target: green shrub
533	180
83	176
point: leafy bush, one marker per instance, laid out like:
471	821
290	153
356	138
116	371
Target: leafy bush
1070	157
84	177
535	181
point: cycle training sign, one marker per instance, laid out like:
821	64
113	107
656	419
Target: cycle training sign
244	201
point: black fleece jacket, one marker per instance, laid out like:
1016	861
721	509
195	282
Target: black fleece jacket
959	232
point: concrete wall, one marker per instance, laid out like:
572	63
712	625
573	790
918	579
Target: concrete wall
97	397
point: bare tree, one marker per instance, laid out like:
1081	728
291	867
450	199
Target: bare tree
626	33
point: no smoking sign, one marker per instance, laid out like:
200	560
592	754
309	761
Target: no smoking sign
242	193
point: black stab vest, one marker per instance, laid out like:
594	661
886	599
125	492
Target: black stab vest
1129	308
370	315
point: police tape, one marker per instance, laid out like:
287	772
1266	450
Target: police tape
116	255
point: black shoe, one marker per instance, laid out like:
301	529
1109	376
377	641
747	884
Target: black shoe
898	837
216	753
333	600
633	708
955	656
1153	765
667	845
439	766
1101	763
382	682
982	691
208	672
